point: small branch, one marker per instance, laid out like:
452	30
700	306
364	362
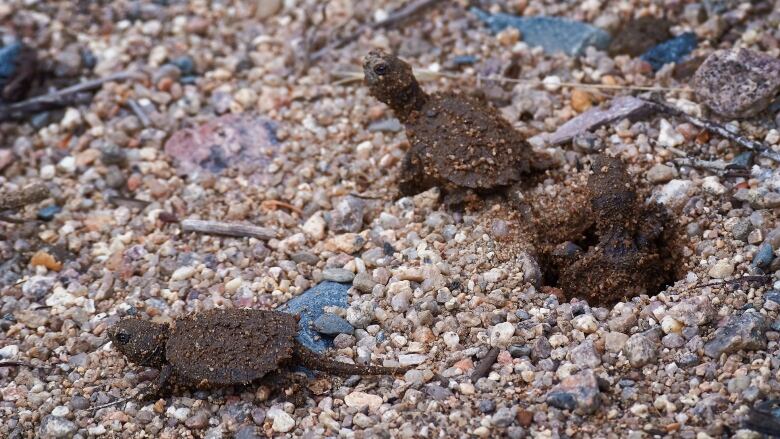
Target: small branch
483	366
399	16
139	112
227	229
22	197
59	98
274	204
691	162
113	403
347	77
718	129
16	364
747	280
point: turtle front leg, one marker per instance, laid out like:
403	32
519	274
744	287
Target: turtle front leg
160	387
289	385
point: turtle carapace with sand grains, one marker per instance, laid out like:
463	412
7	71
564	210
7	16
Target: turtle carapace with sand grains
223	347
457	141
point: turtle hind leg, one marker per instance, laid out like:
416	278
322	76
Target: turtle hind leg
311	360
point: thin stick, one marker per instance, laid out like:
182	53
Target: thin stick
113	403
718	129
227	229
754	279
392	20
24	196
273	204
16	364
427	75
691	162
139	112
58	98
483	367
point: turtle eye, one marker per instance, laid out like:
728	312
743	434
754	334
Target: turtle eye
380	69
123	337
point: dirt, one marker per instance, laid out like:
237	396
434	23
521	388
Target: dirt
458	142
595	238
223	347
637	36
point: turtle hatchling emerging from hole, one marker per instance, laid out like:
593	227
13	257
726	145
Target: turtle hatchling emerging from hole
223	347
458	142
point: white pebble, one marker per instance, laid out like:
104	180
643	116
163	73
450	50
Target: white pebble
233	285
501	335
362	399
670	325
668	136
67	165
314	227
282	422
722	269
586	323
182	273
411	359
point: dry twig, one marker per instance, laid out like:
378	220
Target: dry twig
24	196
401	15
227	229
483	366
274	204
59	98
718	129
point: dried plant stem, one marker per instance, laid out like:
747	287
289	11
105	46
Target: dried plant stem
22	197
227	229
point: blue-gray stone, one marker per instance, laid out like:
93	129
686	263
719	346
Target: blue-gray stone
309	306
670	51
746	331
8	56
764	256
331	324
47	213
773	295
742	161
186	65
562	400
464	60
553	34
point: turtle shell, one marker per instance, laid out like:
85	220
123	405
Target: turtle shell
230	346
467	142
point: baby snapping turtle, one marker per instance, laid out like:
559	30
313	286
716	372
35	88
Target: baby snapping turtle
457	141
222	347
632	255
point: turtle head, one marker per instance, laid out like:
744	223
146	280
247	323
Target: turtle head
392	81
141	341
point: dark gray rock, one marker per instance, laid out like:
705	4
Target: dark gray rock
737	83
764	256
348	215
57	427
437	392
579	393
640	350
744	332
331	324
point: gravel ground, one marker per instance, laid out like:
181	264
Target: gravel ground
315	163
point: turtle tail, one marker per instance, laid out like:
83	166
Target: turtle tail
303	356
